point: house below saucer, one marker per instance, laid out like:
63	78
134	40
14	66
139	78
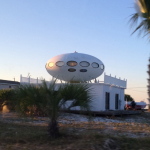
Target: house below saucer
81	68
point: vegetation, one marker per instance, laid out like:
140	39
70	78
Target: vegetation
17	133
143	14
50	99
7	97
128	98
148	84
20	133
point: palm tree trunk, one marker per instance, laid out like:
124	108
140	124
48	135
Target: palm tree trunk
149	83
53	129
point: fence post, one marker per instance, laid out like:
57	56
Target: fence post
21	78
29	79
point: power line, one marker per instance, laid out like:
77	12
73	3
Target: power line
135	87
140	91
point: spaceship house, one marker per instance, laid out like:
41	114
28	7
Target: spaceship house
75	67
79	67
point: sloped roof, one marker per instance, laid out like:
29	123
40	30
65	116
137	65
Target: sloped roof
9	82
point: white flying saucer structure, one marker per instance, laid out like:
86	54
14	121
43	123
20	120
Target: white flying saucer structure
75	67
78	67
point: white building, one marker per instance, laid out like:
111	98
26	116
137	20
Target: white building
7	84
83	68
108	95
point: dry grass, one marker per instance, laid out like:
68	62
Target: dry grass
23	134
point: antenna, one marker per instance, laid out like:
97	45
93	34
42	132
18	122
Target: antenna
28	75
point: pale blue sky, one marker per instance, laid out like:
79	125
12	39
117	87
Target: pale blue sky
33	31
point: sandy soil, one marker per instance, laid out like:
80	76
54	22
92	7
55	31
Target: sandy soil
131	126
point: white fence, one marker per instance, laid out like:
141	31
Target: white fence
114	81
29	80
107	80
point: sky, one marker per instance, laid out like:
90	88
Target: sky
33	31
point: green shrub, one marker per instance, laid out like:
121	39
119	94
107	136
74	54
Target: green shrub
7	97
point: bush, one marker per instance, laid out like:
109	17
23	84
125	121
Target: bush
7	97
29	100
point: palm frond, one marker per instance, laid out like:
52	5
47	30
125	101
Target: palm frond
79	94
144	6
134	19
139	27
144	26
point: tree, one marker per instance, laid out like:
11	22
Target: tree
149	82
142	13
128	98
51	98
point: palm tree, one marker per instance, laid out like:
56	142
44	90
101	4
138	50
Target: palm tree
148	82
51	98
29	100
142	13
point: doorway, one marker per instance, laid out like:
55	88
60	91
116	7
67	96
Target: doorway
107	100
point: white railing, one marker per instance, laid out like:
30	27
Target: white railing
114	81
29	80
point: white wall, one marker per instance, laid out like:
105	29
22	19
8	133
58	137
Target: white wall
7	86
113	90
99	90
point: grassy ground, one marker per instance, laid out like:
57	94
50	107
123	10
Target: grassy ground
18	134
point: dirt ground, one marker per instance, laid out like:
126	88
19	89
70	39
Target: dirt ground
78	132
129	125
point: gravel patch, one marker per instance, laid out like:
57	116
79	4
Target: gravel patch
134	126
